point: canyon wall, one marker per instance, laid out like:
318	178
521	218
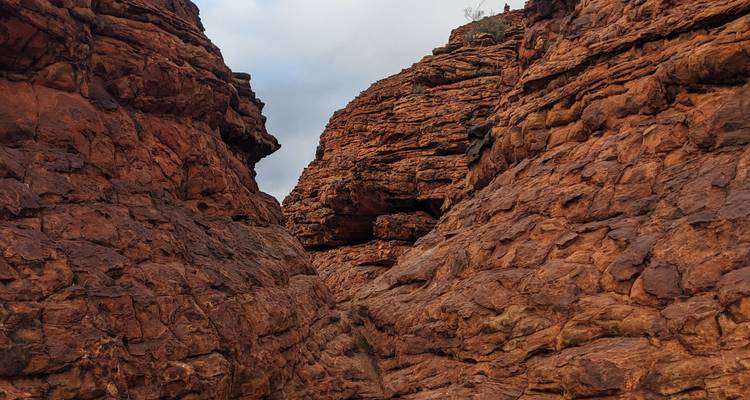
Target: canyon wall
552	206
138	259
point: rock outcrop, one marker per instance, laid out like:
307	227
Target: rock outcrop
399	147
590	170
138	259
554	205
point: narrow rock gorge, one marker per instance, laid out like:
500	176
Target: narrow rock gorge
554	205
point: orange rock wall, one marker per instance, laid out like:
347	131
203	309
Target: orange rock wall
593	241
138	259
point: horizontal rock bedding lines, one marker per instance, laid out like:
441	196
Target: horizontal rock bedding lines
551	206
594	242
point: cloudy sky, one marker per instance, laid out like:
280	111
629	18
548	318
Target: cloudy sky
308	58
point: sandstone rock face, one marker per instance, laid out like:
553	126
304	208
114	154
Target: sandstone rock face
138	259
399	147
552	206
594	241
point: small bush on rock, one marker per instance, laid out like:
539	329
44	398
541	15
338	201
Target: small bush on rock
495	26
476	13
418	89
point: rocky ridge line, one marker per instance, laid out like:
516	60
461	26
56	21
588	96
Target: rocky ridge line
592	243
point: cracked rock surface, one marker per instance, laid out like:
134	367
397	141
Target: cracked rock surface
554	205
594	239
138	259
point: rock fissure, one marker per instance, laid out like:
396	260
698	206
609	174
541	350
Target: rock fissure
553	205
614	150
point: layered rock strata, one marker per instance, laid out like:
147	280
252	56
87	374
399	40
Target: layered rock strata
138	259
552	206
399	147
594	241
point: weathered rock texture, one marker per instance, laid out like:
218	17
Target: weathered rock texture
594	240
138	260
399	147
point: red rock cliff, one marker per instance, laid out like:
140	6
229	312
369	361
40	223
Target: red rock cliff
138	259
590	170
552	206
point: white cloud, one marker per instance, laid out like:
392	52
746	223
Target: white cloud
309	58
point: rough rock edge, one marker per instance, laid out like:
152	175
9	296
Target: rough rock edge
600	249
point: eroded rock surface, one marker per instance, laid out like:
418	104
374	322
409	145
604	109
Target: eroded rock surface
552	206
399	147
138	259
594	240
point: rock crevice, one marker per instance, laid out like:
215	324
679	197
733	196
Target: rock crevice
553	205
587	236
